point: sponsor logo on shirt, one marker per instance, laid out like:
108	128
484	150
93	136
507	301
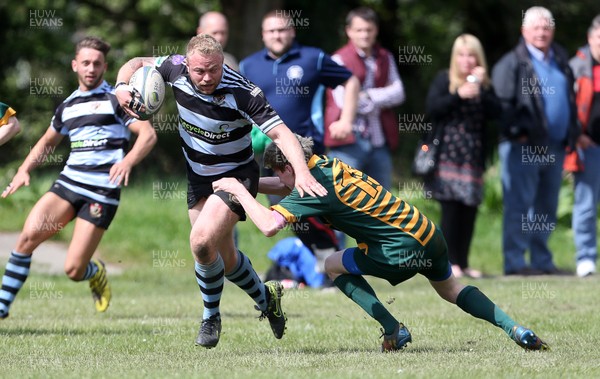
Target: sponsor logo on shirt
87	143
206	135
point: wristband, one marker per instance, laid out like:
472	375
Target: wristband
119	84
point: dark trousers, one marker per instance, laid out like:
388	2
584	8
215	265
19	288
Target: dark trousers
458	223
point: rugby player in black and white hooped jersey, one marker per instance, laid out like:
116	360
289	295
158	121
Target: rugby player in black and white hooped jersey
217	107
88	188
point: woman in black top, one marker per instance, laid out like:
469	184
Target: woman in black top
461	101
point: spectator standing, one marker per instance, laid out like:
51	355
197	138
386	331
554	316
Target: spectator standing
535	86
460	101
375	131
215	24
586	69
293	78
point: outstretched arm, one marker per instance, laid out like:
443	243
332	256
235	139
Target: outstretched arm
289	145
36	157
9	130
262	217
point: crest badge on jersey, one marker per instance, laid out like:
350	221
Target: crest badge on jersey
94	106
218	99
96	210
295	72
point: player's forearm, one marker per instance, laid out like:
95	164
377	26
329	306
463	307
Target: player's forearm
261	216
9	130
290	147
126	71
144	143
40	151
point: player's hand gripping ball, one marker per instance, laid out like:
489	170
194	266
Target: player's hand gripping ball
148	90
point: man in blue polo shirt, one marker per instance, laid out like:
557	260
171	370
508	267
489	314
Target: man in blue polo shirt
293	78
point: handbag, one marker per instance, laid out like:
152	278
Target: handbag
427	154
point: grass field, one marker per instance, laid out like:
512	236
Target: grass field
149	329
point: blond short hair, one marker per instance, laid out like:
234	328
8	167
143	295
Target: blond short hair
204	44
474	46
274	158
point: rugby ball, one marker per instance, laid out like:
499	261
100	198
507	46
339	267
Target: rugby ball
149	89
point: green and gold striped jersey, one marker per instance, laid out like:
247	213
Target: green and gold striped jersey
358	205
6	112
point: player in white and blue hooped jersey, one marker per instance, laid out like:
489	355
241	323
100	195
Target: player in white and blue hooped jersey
217	107
88	188
99	136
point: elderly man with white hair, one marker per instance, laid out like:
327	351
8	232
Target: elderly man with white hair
535	86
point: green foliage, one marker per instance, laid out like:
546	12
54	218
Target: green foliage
38	38
38	46
492	199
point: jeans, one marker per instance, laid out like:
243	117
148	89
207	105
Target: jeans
531	178
587	193
373	161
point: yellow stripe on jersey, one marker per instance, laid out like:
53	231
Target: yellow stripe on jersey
364	247
384	202
8	114
352	187
394	209
431	231
422	229
285	213
413	220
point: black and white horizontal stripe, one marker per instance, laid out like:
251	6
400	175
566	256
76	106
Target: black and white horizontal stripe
99	136
17	271
215	129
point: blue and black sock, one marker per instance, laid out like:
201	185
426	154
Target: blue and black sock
244	276
90	271
210	280
17	270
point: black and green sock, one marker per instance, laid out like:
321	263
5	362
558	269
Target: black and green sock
474	302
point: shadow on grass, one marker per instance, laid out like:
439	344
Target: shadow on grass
62	332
